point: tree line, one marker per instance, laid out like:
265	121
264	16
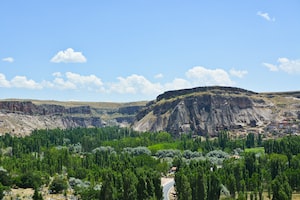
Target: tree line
118	163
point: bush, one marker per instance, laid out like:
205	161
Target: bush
58	185
5	179
188	154
217	156
29	180
168	153
104	149
137	151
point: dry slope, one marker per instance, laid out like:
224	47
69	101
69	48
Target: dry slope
207	110
20	117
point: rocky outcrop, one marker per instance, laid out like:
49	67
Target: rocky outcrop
28	108
212	89
129	110
202	111
207	110
21	117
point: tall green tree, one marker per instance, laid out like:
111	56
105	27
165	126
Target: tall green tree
281	188
183	188
278	163
129	185
214	187
250	140
108	190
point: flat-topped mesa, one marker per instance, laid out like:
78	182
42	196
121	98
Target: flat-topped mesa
208	110
29	108
211	89
20	117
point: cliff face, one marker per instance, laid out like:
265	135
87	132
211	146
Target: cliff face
202	110
28	108
208	110
21	117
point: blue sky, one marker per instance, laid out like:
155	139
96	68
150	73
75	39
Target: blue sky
134	50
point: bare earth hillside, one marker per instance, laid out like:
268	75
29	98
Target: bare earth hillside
207	110
201	110
20	117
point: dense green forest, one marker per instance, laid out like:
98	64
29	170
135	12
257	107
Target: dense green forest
119	163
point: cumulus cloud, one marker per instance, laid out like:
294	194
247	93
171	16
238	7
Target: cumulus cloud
3	82
57	74
158	76
69	56
72	80
271	67
131	85
286	65
201	76
238	73
196	76
19	82
62	84
8	59
82	81
289	66
265	16
67	81
177	84
23	82
135	84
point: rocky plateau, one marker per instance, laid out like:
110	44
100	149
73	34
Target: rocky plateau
20	117
201	111
208	110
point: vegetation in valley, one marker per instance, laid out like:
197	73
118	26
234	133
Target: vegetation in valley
119	163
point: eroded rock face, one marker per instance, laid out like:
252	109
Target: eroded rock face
203	110
21	117
27	107
208	110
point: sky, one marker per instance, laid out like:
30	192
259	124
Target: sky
134	50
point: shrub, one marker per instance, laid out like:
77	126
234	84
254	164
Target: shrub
58	185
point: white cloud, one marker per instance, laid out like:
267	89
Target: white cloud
130	85
90	82
69	56
67	81
135	84
196	76
72	81
238	73
265	16
3	82
23	82
286	65
57	74
47	84
19	82
200	76
271	67
158	76
60	83
8	59
289	66
177	84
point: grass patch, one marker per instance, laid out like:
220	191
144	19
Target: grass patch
255	150
166	145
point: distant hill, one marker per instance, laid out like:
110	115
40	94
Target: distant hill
208	110
201	111
20	117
